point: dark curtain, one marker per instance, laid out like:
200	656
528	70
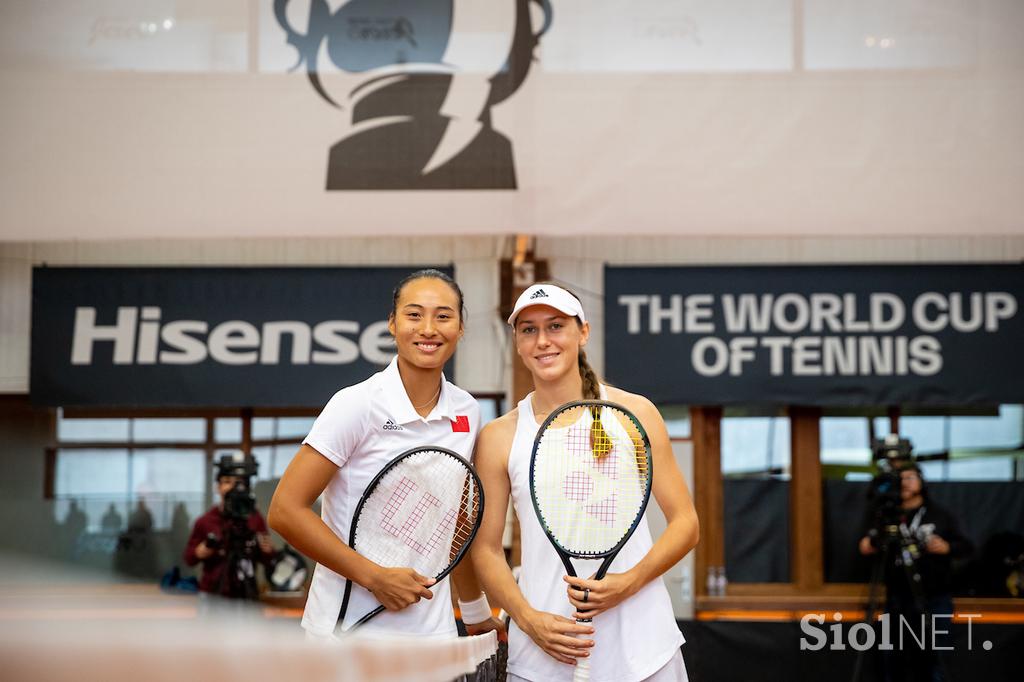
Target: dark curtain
988	512
756	530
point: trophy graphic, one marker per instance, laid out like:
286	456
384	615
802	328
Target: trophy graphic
416	80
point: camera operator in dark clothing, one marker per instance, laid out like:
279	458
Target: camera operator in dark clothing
231	538
917	541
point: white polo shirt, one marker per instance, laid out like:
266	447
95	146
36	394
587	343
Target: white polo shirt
361	429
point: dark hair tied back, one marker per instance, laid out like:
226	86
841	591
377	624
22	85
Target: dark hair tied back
428	273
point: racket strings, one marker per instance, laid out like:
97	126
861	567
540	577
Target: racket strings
591	477
421	514
600	442
466	518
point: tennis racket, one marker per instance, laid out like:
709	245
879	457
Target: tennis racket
590	481
421	511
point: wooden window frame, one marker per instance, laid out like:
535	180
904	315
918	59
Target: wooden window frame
209	445
806	591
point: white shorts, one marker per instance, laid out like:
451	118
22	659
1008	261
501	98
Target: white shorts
673	671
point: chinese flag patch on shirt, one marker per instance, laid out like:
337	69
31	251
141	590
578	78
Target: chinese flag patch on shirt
460	424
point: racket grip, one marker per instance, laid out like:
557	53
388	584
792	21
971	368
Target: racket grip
582	671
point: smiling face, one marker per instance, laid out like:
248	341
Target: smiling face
549	341
426	323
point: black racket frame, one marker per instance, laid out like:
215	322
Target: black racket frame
608	556
366	495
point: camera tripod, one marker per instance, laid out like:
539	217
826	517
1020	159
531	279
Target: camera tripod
239	562
899	546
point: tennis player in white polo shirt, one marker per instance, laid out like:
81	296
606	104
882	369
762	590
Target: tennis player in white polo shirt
362	428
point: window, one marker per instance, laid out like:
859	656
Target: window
112	470
974	469
275	440
948	448
273	459
1003	430
491	407
755	452
168	430
965	447
677	420
753	445
107	465
846	440
927	434
92	430
280	428
227	430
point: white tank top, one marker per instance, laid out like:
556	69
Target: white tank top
633	640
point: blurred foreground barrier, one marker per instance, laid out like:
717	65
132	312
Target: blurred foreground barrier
231	649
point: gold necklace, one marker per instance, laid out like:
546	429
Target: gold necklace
536	413
432	399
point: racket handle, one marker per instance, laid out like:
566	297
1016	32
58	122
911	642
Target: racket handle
582	671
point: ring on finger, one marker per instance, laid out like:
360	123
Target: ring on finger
586	594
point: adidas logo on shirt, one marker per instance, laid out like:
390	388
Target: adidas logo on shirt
390	425
538	294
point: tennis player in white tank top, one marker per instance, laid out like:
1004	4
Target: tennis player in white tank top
634	635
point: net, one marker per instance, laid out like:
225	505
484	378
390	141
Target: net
253	650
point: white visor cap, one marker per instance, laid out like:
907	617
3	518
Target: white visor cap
548	294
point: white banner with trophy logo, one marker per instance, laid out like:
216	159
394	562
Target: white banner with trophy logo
313	117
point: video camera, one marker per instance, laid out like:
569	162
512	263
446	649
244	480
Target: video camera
892	455
238	542
239	502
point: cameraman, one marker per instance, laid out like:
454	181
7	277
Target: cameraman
232	536
917	538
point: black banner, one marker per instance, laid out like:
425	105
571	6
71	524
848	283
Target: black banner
192	337
817	335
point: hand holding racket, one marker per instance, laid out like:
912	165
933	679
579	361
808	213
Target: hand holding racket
595	596
590	480
416	519
397	588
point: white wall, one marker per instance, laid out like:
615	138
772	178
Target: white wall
678	579
667	117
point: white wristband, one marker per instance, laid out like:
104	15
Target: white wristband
476	611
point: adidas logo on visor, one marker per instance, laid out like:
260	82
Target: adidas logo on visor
389	425
551	295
